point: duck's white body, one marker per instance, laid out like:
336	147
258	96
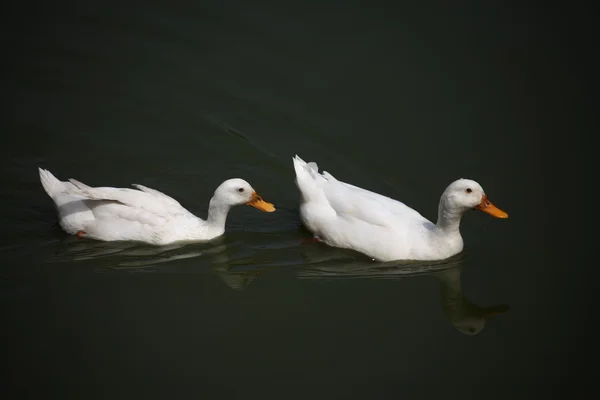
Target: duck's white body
145	215
346	216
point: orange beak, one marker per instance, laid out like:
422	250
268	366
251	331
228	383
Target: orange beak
257	202
487	207
495	310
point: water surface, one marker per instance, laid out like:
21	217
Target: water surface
397	100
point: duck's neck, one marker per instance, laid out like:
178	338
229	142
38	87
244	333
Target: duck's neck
448	218
453	302
451	281
217	215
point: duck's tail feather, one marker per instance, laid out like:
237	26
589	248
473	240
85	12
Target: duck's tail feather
50	183
58	189
308	179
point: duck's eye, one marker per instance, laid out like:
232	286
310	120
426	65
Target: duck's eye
240	190
468	190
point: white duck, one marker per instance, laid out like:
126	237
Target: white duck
144	215
346	216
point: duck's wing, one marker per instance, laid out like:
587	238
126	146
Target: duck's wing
141	203
351	201
159	195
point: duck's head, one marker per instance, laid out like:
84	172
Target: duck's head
466	194
469	325
237	191
475	317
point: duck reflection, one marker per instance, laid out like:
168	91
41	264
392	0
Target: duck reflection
466	317
313	262
122	255
135	257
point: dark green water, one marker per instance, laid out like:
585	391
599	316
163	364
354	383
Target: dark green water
399	100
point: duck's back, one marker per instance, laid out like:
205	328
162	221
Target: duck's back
344	215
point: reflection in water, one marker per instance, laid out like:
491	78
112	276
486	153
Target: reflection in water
121	255
466	317
235	279
136	257
315	262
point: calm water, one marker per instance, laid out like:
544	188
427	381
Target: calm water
397	100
